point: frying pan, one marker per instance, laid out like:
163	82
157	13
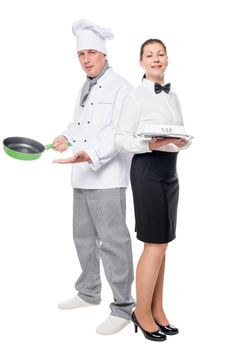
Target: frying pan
24	148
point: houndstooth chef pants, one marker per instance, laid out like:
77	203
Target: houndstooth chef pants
100	232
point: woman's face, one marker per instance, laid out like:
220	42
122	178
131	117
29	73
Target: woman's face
154	61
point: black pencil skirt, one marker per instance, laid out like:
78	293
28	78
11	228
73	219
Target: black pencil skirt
155	190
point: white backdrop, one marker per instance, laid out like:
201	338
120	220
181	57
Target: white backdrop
39	79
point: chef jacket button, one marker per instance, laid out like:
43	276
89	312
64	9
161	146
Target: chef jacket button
74	140
91	103
88	121
100	86
78	123
85	140
82	105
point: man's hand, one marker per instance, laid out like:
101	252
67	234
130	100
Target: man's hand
60	143
79	157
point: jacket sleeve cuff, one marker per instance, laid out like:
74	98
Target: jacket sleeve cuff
95	163
145	146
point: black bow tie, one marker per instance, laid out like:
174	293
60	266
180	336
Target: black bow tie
158	88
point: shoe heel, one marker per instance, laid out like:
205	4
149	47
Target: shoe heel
136	328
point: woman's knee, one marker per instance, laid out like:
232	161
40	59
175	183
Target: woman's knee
156	249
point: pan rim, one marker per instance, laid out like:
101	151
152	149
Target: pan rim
27	139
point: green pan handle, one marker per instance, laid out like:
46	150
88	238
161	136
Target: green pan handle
51	145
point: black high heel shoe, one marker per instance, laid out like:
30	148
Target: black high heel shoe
169	329
155	336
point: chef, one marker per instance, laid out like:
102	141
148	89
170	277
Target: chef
99	178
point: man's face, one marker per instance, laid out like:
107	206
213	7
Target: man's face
92	61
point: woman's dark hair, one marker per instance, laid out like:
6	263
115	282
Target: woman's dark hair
151	41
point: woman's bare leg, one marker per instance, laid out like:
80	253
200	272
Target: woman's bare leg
147	273
157	300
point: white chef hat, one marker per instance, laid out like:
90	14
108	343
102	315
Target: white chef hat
90	36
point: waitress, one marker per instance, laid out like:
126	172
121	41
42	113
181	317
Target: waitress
154	184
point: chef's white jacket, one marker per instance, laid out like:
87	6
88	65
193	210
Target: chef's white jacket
143	105
93	130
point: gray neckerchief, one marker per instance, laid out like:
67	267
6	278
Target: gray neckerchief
89	83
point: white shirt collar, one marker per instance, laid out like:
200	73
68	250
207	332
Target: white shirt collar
149	84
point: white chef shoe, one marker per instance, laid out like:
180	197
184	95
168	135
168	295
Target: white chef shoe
73	303
111	325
